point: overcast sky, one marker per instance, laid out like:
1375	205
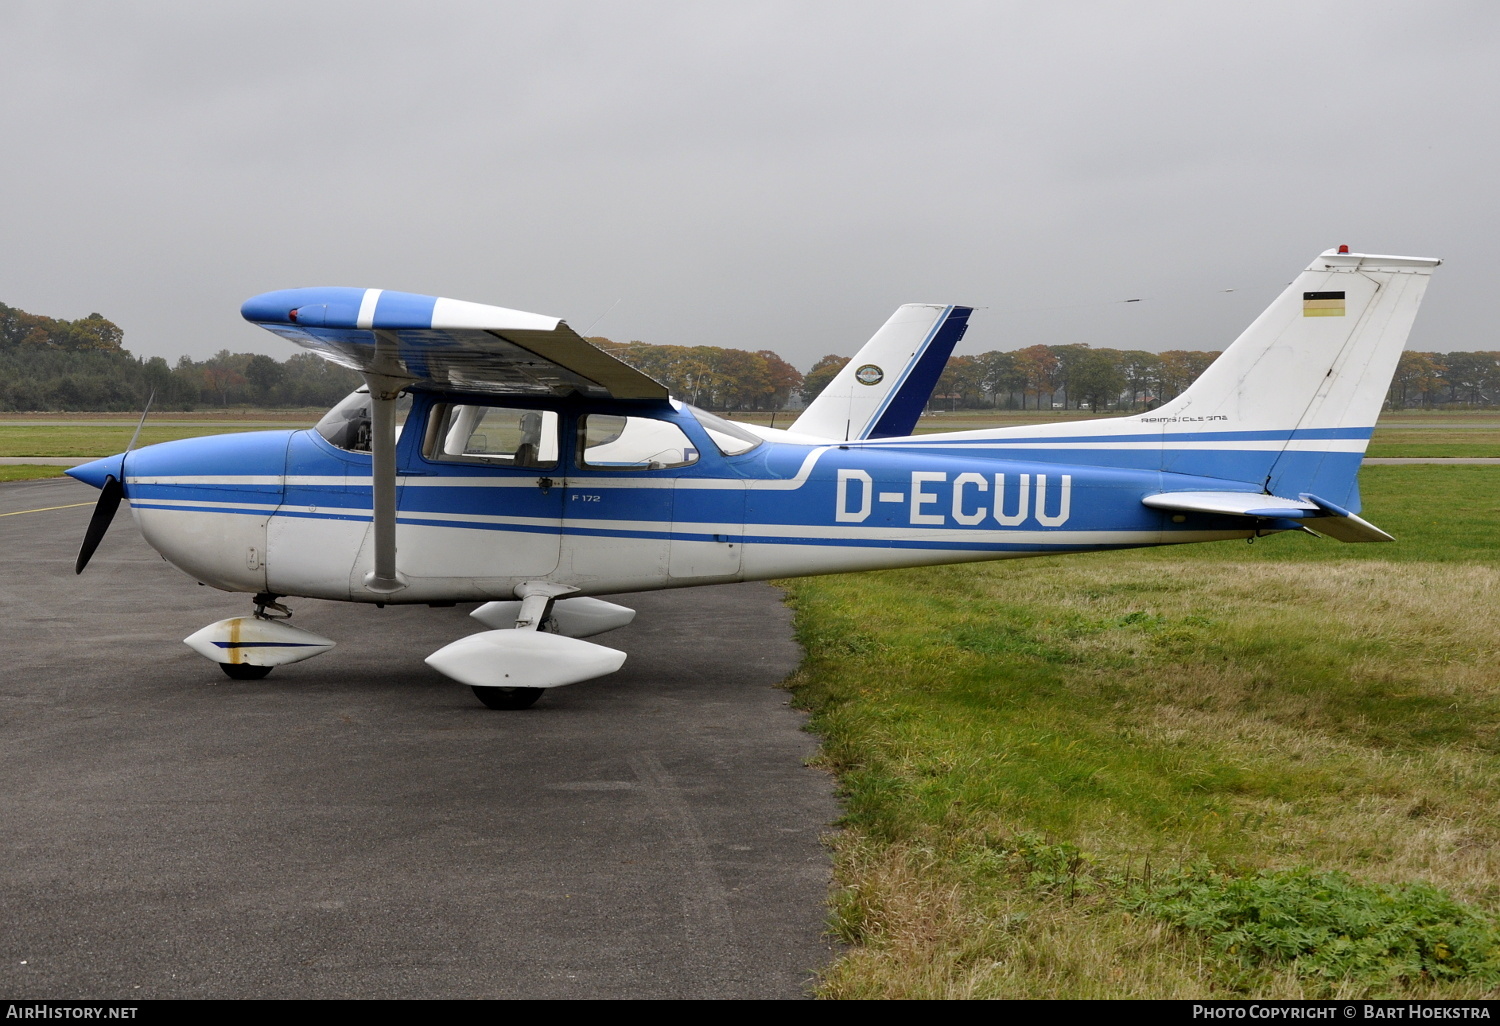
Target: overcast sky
755	175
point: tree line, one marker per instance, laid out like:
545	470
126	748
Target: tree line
1075	376
1049	377
1039	377
52	364
1425	380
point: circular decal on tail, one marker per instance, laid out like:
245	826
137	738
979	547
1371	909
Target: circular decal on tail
869	374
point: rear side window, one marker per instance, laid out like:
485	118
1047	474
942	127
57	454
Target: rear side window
607	442
496	435
732	439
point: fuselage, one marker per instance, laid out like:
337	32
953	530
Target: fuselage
551	495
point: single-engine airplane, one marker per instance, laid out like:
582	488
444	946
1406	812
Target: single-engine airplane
495	456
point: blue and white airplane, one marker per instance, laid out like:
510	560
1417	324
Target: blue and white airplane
497	457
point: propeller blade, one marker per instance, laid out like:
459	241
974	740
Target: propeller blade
104	512
137	435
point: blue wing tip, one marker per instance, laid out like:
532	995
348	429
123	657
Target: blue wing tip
280	307
339	307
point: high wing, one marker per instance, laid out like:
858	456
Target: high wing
447	342
397	338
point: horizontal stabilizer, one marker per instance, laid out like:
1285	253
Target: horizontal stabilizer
523	659
574	617
1321	515
1337	522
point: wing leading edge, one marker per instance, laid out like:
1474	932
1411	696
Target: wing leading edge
447	342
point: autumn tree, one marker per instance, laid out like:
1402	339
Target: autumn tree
1418	378
1000	373
1178	369
1141	371
821	374
1095	378
962	382
1036	369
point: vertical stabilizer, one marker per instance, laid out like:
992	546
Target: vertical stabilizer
882	391
1312	370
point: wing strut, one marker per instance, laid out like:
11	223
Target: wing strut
384	389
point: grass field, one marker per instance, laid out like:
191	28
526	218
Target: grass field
1141	774
28	472
1413	433
107	434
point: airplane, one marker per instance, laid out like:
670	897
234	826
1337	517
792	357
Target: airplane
495	456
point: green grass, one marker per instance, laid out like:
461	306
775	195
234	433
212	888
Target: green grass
28	472
1296	706
1467	433
1443	514
104	439
1411	433
1433	450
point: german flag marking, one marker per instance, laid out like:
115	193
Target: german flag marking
1322	304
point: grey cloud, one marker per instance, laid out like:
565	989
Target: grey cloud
758	174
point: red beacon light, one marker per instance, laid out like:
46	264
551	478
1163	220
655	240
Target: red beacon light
1343	249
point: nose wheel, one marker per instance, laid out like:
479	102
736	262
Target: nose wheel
249	647
507	698
244	671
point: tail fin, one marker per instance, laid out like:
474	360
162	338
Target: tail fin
1290	405
1311	371
880	393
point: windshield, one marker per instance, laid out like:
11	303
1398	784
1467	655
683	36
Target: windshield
347	425
732	439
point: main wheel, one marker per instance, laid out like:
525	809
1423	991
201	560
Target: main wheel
508	698
244	671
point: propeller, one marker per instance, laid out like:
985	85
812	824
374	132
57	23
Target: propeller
104	512
109	500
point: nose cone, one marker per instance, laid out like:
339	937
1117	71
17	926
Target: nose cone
94	473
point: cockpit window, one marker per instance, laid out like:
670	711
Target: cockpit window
347	425
732	439
608	442
492	434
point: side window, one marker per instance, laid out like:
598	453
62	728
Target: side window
492	434
632	443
